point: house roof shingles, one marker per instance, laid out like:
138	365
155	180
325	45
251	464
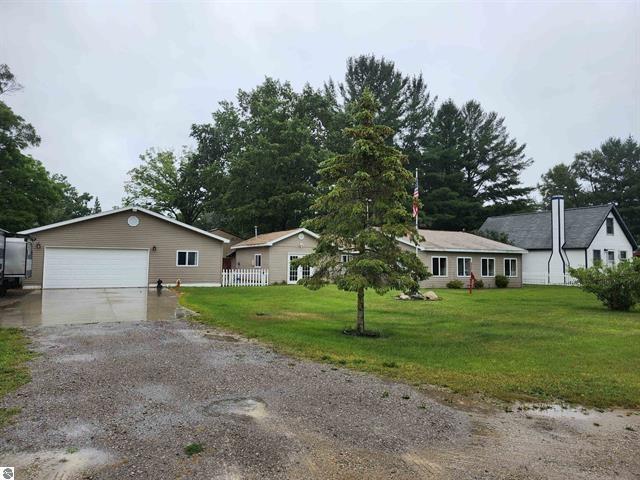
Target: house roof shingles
533	230
442	240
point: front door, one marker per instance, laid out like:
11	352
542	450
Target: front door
296	273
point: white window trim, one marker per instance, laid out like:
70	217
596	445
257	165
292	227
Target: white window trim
611	261
505	270
494	267
299	270
625	255
187	258
446	267
458	270
255	260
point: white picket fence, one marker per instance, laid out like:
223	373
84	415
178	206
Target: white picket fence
245	277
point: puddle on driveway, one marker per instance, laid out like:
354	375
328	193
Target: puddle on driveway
245	407
89	305
56	464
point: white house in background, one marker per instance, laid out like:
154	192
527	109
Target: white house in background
559	239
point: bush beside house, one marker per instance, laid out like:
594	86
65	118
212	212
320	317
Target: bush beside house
617	286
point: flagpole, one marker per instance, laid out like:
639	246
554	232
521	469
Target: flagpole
417	216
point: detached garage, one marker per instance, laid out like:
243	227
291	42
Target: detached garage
127	247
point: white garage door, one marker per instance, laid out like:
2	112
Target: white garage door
95	268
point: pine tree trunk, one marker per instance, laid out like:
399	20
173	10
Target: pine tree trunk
360	319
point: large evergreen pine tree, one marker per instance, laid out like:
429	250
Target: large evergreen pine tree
364	209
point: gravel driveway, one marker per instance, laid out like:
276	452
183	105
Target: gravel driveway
123	400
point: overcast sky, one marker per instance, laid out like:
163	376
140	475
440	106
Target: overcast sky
104	81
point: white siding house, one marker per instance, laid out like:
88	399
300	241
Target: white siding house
562	239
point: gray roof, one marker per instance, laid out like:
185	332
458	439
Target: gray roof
448	241
533	230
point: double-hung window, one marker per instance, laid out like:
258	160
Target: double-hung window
611	257
609	226
439	266
257	260
464	266
488	267
623	255
597	256
510	267
187	258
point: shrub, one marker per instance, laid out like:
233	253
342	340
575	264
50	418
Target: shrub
617	287
479	284
455	284
502	281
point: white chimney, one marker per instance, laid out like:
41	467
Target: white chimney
558	262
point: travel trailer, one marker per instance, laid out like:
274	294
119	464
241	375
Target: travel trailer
15	259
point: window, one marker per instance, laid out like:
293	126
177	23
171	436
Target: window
609	226
464	266
293	270
488	267
611	257
344	258
597	257
257	260
306	271
439	266
510	267
186	258
623	255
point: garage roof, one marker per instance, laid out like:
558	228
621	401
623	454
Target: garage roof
124	209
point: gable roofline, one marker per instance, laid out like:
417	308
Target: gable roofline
119	210
625	229
276	240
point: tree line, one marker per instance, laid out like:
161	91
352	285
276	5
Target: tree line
30	196
608	174
256	163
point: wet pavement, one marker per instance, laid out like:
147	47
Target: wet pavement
77	306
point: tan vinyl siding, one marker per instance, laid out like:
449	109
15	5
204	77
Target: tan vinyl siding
476	268
275	258
278	258
245	257
112	231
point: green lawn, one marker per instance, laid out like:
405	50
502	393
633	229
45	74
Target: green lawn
549	343
13	371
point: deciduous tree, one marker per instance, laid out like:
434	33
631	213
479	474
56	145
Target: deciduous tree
179	186
29	195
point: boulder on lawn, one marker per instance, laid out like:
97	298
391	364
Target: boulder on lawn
403	296
431	296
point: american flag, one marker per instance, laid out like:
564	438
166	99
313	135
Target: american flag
416	197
